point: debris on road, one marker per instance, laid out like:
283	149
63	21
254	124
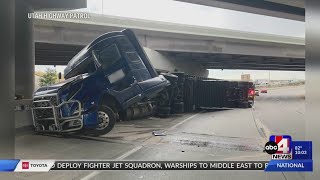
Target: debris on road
158	133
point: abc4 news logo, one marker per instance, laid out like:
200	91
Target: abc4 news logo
279	147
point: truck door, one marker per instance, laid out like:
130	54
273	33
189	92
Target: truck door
115	69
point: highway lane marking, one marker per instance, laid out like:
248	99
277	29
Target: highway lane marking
129	152
185	120
123	156
137	148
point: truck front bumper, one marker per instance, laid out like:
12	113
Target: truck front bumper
47	115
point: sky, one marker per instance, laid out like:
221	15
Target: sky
191	14
256	74
228	74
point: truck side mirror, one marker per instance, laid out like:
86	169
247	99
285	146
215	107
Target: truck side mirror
59	76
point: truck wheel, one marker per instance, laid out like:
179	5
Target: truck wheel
107	120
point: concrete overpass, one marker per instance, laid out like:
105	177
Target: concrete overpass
17	59
289	9
57	41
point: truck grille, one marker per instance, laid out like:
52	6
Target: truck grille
43	113
42	102
53	99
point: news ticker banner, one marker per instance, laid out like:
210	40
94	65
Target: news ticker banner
50	165
288	155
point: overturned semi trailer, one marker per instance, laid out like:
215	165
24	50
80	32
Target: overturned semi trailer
188	93
206	93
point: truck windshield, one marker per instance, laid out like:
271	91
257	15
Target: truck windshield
108	56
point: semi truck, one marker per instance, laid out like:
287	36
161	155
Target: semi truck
112	79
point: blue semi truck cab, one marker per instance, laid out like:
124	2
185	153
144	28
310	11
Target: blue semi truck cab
105	78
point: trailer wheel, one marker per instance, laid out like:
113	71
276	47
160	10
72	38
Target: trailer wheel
178	107
243	105
164	111
107	120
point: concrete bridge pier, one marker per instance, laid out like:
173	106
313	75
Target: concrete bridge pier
24	50
7	78
17	60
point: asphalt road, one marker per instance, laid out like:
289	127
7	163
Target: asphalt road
222	135
225	135
282	111
238	134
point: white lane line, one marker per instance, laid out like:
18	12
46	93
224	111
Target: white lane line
128	153
95	173
185	120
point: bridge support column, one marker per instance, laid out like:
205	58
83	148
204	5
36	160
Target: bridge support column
312	113
24	47
7	79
